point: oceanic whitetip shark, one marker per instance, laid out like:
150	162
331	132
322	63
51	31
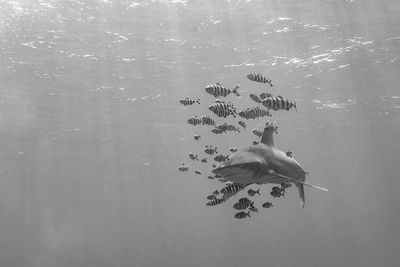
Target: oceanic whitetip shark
263	164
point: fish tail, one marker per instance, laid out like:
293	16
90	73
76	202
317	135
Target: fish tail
258	192
248	213
235	91
198	100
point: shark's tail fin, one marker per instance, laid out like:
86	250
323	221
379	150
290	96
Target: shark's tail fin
301	193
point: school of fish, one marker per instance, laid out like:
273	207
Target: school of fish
222	120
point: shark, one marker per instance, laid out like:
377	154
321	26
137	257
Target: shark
263	163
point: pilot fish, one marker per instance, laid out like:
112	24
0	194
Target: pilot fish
232	188
210	150
267	205
255	98
215	201
252	192
233	149
254	113
223	109
207	120
256	77
188	101
278	102
218	90
257	132
195	121
242	214
241	205
228	127
221	158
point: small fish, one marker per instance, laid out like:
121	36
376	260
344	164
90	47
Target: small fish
242	214
217	131
253	209
196	137
246	201
222	180
183	168
241	205
252	192
218	90
210	177
211	197
210	150
217	176
278	103
232	188
254	113
195	121
255	98
243	124
198	172
289	154
233	149
256	77
255	143
228	127
277	192
207	120
215	201
221	158
257	132
216	193
267	205
223	109
188	101
204	160
193	156
264	95
214	166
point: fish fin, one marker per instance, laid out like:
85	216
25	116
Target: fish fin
267	138
296	181
235	91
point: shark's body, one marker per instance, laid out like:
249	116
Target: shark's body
262	164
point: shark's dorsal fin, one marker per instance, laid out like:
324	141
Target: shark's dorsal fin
267	137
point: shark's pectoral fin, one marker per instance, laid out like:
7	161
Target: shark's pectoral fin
296	181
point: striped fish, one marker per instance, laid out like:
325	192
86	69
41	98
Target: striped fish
232	188
264	95
257	132
228	127
217	131
210	150
256	77
223	109
255	98
211	197
243	124
207	120
221	158
278	102
195	121
252	192
215	201
188	101
218	90
246	201
242	214
254	113
233	149
241	206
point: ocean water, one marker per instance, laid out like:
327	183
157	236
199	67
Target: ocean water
92	133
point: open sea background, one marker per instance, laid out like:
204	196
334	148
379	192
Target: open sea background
92	133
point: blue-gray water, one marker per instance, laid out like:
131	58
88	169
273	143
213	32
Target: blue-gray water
92	134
